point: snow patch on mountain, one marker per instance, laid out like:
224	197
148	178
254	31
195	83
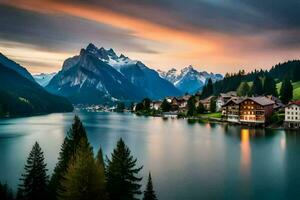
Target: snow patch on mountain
43	79
101	76
189	79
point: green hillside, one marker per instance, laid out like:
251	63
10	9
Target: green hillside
231	81
296	91
19	96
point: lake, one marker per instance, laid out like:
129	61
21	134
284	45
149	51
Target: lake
188	161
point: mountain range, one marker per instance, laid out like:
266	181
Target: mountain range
188	79
100	76
20	95
43	78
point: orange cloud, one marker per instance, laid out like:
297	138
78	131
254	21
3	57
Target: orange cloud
176	47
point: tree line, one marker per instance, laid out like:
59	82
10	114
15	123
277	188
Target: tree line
262	84
282	72
79	175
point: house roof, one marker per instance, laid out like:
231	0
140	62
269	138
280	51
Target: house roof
208	99
186	97
235	100
264	101
295	103
229	94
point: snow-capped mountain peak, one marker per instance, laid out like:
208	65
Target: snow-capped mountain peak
43	79
188	79
99	75
109	56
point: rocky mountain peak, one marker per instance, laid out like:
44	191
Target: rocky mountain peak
188	79
91	48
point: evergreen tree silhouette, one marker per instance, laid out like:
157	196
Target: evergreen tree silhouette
35	179
149	193
123	182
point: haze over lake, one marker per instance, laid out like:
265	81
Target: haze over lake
187	161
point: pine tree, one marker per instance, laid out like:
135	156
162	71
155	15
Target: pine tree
191	106
244	89
123	182
5	192
257	87
146	103
35	179
207	89
101	173
165	106
286	91
270	86
213	105
200	108
68	149
139	107
82	180
149	193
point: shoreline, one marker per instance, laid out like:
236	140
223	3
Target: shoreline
205	119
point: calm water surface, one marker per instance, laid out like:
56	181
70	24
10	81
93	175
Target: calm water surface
187	161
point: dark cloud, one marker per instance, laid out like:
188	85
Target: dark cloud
231	15
234	17
62	32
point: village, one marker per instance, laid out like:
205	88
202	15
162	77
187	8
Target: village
256	111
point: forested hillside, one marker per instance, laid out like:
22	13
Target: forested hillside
289	70
20	96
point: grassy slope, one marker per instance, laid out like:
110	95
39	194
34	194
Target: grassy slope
296	86
296	92
213	115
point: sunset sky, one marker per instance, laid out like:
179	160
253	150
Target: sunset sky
214	35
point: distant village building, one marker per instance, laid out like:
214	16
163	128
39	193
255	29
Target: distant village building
231	109
169	99
224	98
248	110
174	104
207	102
278	104
256	110
182	103
292	115
155	105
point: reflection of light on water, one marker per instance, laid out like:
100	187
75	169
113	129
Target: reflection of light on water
245	151
283	142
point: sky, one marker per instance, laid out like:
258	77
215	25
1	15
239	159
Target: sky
214	35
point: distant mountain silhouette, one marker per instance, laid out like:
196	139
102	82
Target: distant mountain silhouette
100	76
21	96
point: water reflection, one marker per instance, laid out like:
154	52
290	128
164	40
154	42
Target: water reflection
245	152
210	161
